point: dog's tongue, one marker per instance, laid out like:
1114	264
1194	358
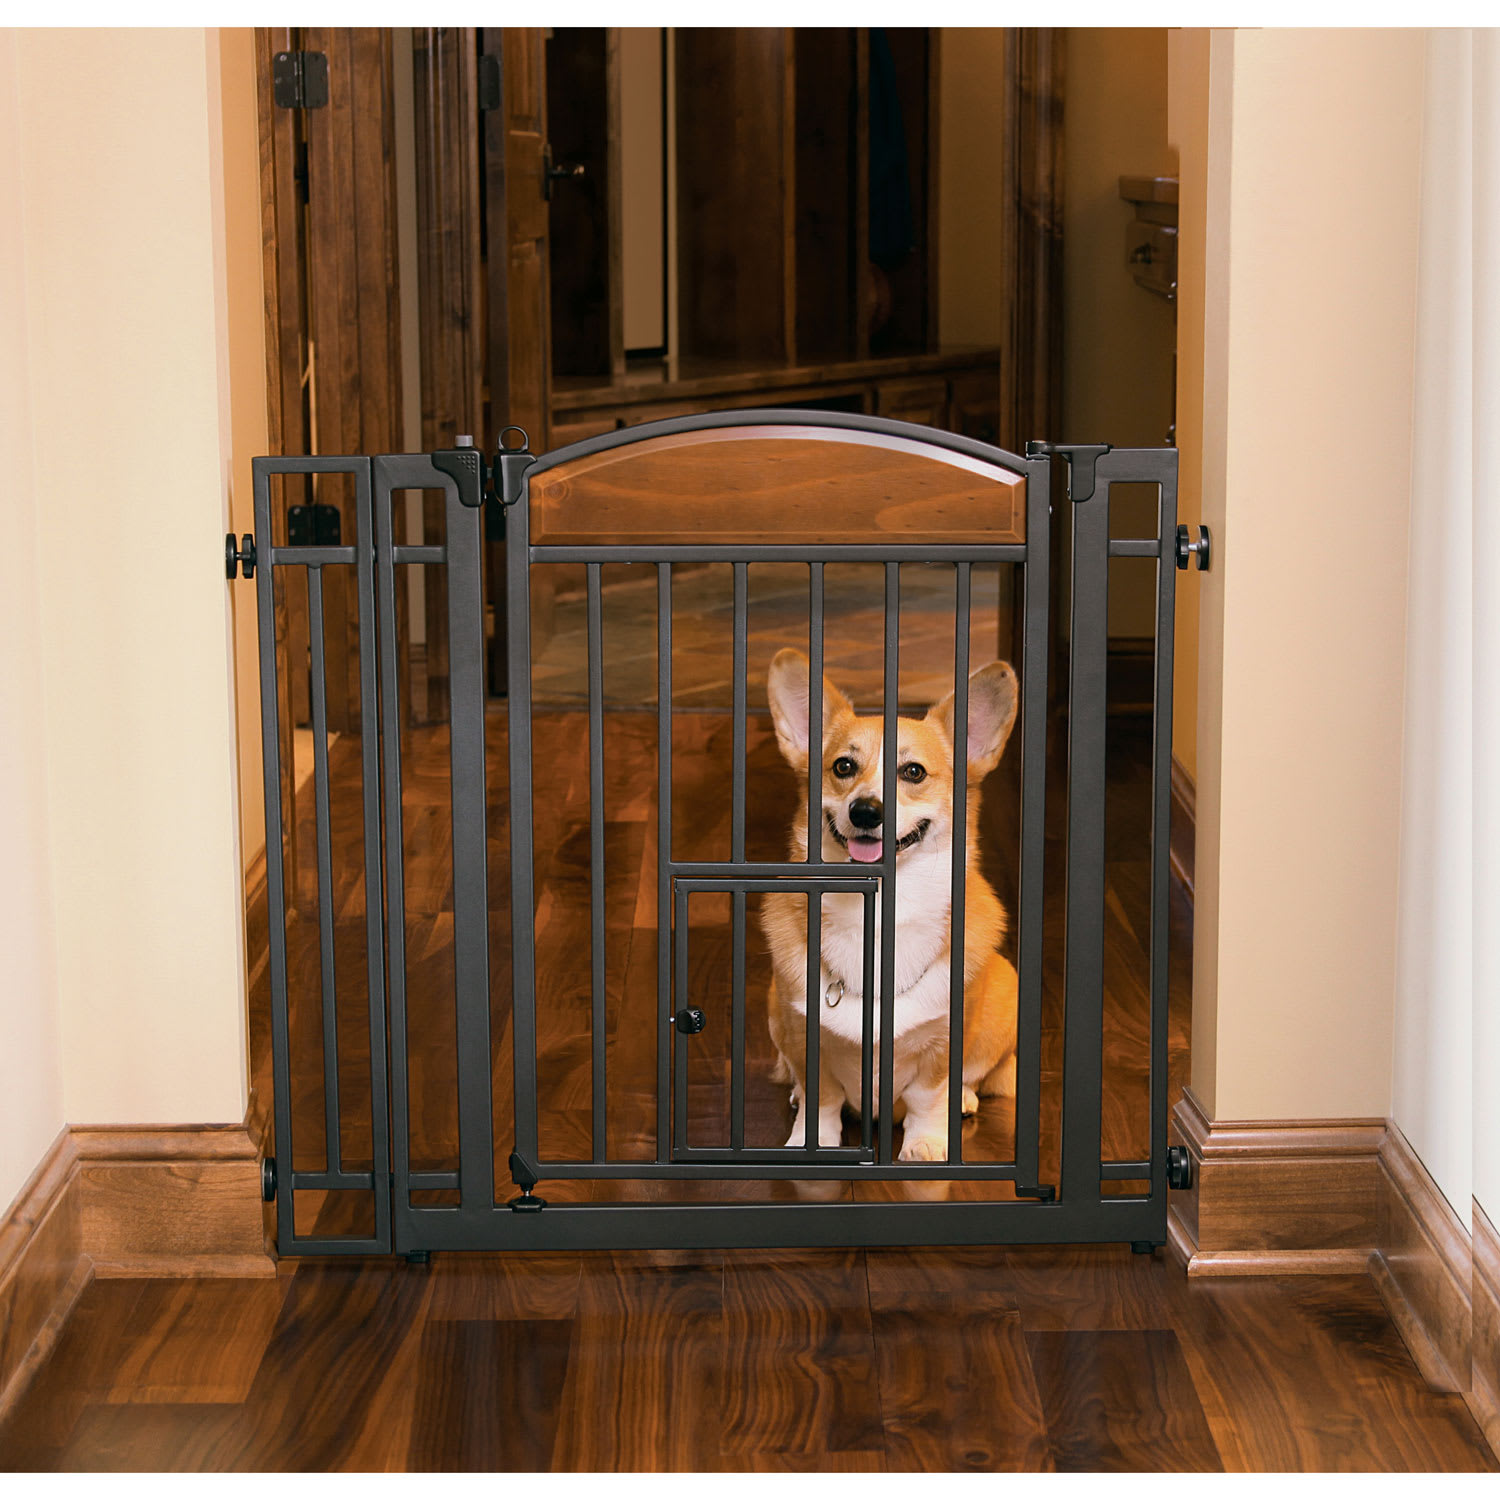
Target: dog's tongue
866	851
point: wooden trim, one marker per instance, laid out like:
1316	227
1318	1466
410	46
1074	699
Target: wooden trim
1276	1197
1483	1394
171	1200
1422	1265
43	1268
1184	826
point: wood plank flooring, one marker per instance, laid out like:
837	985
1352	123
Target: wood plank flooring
901	1360
975	1359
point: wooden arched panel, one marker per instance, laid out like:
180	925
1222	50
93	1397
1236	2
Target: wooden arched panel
776	484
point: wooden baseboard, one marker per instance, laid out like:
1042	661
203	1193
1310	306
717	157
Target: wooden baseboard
43	1268
1276	1197
1423	1266
171	1200
1483	1394
1184	826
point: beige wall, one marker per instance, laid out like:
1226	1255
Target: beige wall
122	274
1485	1070
31	1092
1434	1022
971	176
1310	238
1187	134
1117	337
243	292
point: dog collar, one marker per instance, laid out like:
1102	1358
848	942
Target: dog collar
835	989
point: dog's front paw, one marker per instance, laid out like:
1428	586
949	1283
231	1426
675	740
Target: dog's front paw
924	1148
971	1102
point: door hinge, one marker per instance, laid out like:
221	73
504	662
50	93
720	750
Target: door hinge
488	82
299	80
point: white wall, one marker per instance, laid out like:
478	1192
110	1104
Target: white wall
1431	1095
31	1103
115	140
1486	597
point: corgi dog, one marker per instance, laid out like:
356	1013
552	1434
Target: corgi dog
851	772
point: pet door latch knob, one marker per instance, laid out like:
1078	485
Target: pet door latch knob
1199	550
690	1021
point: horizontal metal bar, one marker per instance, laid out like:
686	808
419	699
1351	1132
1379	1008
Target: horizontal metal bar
309	1244
332	1182
310	463
1126	1170
1135	547
753	1226
432	1182
422	554
723	870
306	557
650	552
784	1164
834	884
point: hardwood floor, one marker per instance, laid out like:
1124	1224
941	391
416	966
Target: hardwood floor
1059	1358
974	1359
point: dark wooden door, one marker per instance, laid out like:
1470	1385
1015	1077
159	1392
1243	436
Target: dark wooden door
333	318
517	222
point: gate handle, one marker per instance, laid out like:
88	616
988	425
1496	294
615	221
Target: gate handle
465	468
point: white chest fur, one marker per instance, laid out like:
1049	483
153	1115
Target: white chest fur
924	884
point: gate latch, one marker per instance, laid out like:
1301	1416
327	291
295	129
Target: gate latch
690	1021
1081	459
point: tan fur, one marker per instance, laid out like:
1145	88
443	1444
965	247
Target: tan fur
922	935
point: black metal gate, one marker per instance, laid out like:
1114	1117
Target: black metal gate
572	506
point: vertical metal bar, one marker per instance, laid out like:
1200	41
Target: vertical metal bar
814	1017
663	850
369	729
395	848
680	1041
960	851
1083	1020
867	1028
1034	667
471	938
737	853
332	1149
597	1085
281	1071
522	831
815	711
890	753
1161	824
814	984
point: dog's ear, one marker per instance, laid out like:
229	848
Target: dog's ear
994	695
786	687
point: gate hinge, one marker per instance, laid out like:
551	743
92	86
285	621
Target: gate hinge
1081	458
299	80
487	80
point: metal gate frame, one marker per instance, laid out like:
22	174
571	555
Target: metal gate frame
1071	1211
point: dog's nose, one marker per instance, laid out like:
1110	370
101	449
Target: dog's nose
866	812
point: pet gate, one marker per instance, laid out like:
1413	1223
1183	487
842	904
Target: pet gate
354	1046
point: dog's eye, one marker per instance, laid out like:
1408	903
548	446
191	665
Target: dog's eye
911	771
844	768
